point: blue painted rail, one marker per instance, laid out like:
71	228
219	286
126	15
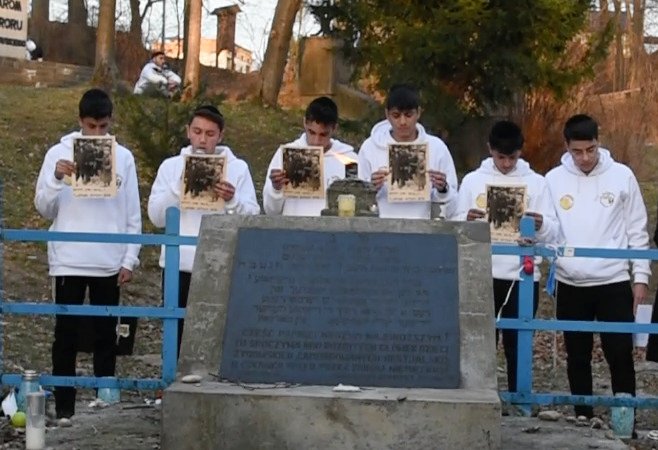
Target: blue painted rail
169	313
526	324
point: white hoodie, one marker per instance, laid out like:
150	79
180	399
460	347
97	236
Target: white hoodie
603	209
152	74
119	214
472	193
373	156
274	202
166	192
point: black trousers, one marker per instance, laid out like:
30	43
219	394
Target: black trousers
605	303
183	291
511	311
71	290
652	345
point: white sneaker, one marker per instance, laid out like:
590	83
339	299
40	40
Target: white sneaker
64	422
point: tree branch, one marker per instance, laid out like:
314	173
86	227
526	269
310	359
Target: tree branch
149	3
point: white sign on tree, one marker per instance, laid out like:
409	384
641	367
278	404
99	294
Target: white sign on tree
13	28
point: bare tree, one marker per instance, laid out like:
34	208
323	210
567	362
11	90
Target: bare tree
77	12
274	62
635	9
40	17
192	49
178	24
105	70
137	17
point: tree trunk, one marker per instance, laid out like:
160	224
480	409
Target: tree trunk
40	20
636	42
192	48
105	70
186	25
619	81
178	30
77	12
274	62
135	20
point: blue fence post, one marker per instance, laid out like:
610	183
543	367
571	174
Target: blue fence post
2	279
526	300
171	281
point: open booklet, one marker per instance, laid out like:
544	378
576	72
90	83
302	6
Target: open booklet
304	167
200	175
408	179
95	167
506	205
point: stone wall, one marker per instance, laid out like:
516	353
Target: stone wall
42	74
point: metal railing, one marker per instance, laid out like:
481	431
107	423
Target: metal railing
169	313
526	325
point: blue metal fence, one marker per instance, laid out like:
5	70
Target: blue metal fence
169	313
526	324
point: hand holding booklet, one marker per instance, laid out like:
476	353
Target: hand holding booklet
201	174
94	158
304	168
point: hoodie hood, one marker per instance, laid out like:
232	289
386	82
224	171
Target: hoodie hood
67	140
381	134
219	150
337	147
488	167
604	164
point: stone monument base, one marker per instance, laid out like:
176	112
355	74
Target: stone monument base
214	415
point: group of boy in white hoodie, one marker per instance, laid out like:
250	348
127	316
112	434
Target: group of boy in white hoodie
588	201
588	188
103	268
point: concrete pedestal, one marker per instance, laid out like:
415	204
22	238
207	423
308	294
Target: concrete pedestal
218	415
225	416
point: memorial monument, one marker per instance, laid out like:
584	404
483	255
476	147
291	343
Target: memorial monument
337	333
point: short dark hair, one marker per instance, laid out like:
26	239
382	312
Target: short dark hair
505	137
96	104
403	96
211	113
157	53
322	110
581	127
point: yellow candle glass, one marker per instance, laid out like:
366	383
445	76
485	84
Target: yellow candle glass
346	205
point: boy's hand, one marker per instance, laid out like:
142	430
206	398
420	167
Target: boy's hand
278	179
64	167
439	181
475	214
125	276
378	178
225	190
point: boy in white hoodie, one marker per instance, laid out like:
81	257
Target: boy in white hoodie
505	166
320	123
76	267
599	205
156	77
205	131
401	126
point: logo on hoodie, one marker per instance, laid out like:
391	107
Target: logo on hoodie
481	201
607	199
566	202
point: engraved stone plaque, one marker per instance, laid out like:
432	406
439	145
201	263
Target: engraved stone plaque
367	309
